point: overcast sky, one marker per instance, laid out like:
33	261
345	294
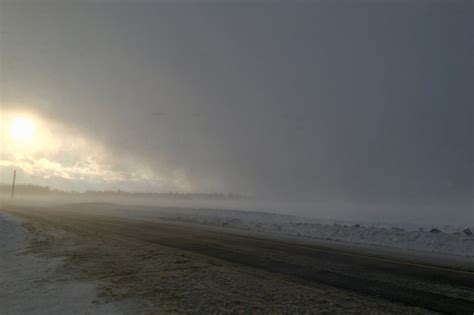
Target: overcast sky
360	101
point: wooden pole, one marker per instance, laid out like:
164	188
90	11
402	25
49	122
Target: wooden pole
13	184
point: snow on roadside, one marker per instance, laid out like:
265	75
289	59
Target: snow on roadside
31	285
445	239
432	239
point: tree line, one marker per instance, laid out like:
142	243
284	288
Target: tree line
37	190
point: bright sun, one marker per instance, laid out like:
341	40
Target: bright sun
22	128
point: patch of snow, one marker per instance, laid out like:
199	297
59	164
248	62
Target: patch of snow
31	285
450	240
447	240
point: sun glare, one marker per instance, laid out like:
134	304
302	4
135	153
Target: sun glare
22	128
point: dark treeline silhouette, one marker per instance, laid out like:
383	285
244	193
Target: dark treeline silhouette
36	190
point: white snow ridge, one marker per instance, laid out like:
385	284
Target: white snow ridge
435	240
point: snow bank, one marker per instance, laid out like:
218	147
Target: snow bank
431	239
445	239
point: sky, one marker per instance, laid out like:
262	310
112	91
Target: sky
364	102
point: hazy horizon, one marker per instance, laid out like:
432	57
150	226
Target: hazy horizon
365	104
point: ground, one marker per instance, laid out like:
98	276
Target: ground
138	266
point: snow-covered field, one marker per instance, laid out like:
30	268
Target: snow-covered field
438	239
449	240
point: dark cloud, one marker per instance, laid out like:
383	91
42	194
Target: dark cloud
361	102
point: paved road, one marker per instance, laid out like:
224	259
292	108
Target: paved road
430	287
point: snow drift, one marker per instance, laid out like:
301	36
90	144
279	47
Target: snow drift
447	240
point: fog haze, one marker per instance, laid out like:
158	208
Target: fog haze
365	104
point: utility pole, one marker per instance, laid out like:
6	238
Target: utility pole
13	184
